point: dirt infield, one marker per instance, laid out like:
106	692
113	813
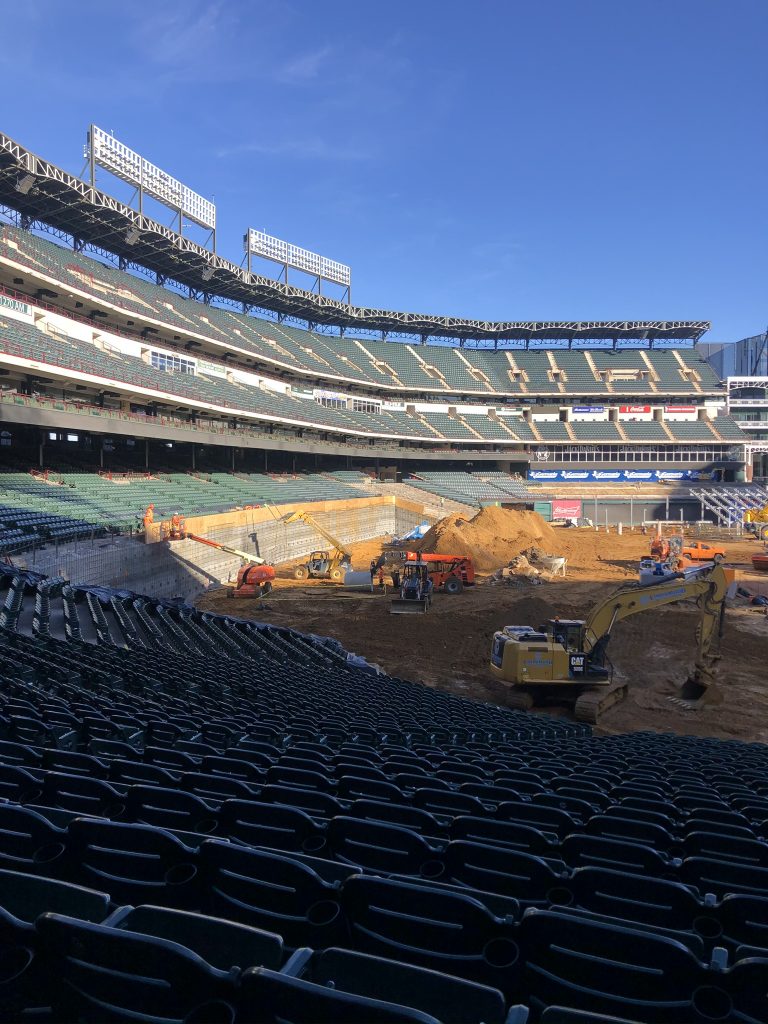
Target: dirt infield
449	647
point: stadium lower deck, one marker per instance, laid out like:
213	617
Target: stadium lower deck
231	821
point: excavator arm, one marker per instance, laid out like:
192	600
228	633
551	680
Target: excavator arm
305	517
708	586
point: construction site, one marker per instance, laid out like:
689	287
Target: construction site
394	658
526	572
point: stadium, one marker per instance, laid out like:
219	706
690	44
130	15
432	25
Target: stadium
296	806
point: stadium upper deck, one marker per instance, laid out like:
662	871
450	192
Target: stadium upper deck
121	345
135	305
67	203
116	342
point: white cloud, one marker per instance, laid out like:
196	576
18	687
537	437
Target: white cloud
180	33
303	68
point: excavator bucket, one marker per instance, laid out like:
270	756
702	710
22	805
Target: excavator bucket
701	688
410	606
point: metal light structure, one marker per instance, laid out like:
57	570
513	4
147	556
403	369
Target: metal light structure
258	243
25	183
64	203
105	151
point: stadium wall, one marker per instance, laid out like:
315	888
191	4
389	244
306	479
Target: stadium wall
185	569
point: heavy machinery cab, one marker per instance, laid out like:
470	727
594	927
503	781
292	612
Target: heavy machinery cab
323	565
416	590
568	632
318	562
553	654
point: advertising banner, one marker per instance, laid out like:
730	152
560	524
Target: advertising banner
18	309
320	393
566	508
634	408
211	369
616	475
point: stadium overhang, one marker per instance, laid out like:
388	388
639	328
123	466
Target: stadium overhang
42	192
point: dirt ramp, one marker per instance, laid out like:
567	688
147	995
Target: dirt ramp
492	537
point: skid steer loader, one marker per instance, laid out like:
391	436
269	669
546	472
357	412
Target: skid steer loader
415	590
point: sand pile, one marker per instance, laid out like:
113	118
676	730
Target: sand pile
492	538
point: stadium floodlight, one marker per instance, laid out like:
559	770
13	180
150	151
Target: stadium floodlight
258	243
132	236
25	183
106	151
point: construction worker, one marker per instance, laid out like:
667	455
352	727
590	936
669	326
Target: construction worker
381	579
373	570
396	578
177	525
149	517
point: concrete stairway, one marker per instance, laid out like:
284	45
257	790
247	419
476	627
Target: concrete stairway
432	507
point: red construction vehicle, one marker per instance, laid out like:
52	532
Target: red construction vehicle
660	548
449	573
254	578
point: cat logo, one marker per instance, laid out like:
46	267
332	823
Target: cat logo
577	664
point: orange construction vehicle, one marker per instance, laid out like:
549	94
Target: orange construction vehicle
684	553
254	578
660	548
449	573
698	551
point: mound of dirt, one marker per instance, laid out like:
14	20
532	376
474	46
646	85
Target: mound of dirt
492	537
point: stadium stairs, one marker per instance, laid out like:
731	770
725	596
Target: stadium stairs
205	819
436	505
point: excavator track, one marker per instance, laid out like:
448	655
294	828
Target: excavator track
520	700
593	703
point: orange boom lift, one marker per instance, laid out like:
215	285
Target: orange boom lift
254	578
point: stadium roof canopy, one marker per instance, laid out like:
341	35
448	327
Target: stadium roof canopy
40	191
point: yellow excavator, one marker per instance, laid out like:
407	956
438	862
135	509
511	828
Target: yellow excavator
565	660
321	565
756	522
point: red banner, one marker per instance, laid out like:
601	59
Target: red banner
634	408
680	408
566	508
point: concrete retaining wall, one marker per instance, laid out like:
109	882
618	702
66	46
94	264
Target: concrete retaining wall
185	569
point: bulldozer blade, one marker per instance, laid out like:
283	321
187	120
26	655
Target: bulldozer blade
401	607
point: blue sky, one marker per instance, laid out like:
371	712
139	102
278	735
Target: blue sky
554	159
